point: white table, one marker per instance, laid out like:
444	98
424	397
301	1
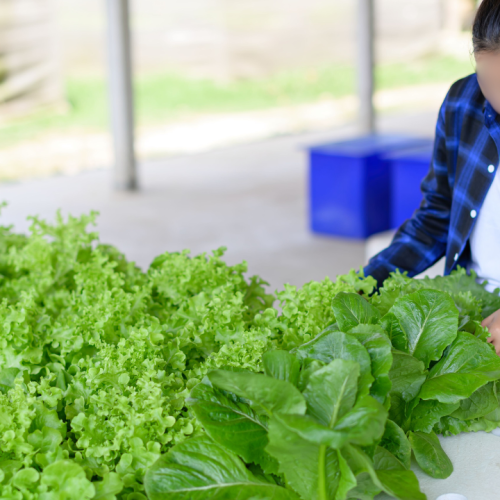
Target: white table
476	462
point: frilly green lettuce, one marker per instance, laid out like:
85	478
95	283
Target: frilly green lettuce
97	357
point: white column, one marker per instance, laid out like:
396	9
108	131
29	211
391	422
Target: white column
121	95
366	65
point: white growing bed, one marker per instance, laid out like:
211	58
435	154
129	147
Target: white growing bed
476	475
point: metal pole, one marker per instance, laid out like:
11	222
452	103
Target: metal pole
121	94
366	65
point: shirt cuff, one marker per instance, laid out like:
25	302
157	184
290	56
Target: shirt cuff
379	272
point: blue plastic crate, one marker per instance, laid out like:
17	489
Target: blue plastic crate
349	184
408	169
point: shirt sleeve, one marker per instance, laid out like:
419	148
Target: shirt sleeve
421	241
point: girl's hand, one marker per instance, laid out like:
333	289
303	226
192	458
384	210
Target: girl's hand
493	324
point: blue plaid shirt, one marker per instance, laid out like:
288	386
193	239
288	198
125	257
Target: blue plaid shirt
462	170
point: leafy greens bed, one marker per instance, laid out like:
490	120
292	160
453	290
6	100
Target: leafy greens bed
184	382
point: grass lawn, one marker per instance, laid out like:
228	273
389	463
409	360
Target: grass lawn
166	97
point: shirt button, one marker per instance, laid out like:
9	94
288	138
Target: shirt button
473	214
456	257
491	169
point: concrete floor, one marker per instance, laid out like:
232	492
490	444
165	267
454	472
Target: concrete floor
252	199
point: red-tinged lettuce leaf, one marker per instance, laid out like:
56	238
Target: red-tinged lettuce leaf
329	345
428	320
231	422
467	365
351	310
199	469
266	394
430	455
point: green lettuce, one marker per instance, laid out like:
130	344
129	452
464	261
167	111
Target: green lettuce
106	370
318	441
97	357
200	468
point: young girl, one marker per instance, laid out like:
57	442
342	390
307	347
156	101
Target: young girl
460	214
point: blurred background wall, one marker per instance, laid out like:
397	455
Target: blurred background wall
30	72
210	73
227	39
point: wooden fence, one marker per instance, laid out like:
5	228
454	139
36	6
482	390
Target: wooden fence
29	69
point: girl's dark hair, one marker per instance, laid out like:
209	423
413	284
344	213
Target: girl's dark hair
486	28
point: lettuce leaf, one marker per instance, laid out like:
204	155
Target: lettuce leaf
231	422
467	365
200	468
430	455
338	345
428	321
352	310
